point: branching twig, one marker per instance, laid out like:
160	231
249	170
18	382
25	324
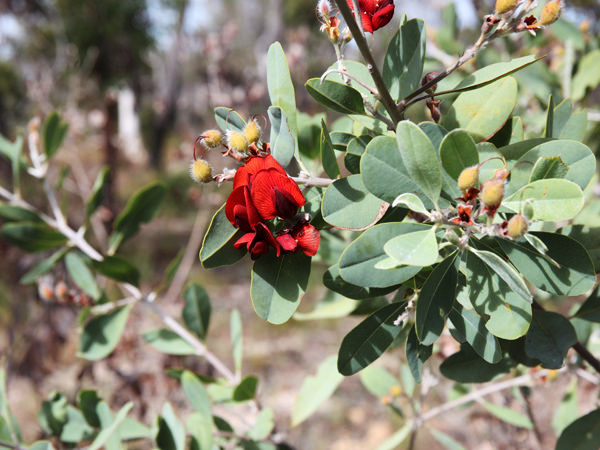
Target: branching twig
355	29
309	180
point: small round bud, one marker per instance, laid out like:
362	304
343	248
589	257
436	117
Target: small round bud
504	6
324	9
347	35
492	193
468	178
396	391
517	226
61	292
212	138
237	141
386	400
550	13
252	132
201	171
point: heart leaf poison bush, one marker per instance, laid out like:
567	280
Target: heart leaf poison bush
465	231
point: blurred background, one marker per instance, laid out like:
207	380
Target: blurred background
137	81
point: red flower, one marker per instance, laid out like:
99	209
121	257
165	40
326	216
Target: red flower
240	209
303	237
374	13
464	215
258	242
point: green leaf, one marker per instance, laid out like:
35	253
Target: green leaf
446	440
583	434
309	132
412	202
553	200
113	429
328	159
88	402
315	390
590	310
53	134
97	194
548	131
228	119
167	341
170	433
348	204
587	76
278	285
575	276
196	393
53	413
377	380
357	70
31	236
566	412
282	140
471	328
508	415
281	89
369	339
403	61
511	133
246	390
436	299
200	427
484	111
118	269
263	427
577	156
457	152
357	263
568	124
548	167
13	151
397	438
549	338
132	429
197	309
41	445
43	267
81	275
217	247
466	366
416	354
101	334
419	248
509	313
504	271
140	208
237	339
11	213
336	96
420	159
333	281
383	171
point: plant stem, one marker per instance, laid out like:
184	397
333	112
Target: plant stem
355	29
313	181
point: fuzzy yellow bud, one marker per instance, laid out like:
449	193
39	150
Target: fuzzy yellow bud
212	138
550	13
492	193
517	226
468	178
237	141
504	6
201	171
396	391
252	132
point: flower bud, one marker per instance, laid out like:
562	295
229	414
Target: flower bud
252	132
517	226
396	391
347	35
212	138
468	178
492	193
201	171
504	6
237	141
550	13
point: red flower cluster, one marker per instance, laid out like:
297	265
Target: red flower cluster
374	13
263	191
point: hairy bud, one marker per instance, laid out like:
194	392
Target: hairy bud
504	6
517	226
252	132
201	171
492	193
468	178
212	138
550	13
237	141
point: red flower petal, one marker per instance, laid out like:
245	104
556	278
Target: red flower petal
383	16
308	238
255	164
276	195
240	209
287	242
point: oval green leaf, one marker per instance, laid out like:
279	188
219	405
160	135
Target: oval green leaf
336	96
101	334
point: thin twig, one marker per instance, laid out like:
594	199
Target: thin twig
312	181
355	29
372	90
